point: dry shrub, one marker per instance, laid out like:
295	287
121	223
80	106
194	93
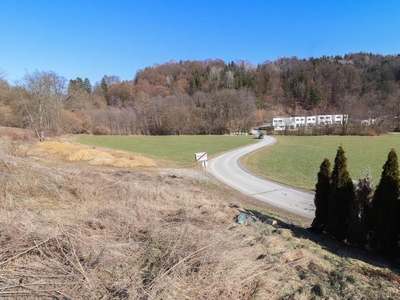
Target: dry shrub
7	117
75	123
15	141
101	130
16	134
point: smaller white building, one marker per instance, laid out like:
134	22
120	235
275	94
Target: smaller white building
369	121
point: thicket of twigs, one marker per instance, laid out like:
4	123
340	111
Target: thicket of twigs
73	232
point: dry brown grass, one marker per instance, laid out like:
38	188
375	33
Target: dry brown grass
79	232
72	153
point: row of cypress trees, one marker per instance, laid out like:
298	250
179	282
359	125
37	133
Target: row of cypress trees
358	213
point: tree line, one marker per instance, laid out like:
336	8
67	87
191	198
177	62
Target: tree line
206	97
359	214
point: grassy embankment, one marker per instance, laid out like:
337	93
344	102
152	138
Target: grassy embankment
169	151
295	160
75	232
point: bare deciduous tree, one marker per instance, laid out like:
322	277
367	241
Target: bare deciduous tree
46	91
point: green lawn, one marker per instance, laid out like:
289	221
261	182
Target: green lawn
171	151
295	160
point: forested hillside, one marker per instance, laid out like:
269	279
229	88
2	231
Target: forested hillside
206	97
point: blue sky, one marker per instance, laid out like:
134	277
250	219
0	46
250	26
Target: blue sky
95	38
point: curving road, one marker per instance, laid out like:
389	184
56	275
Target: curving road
226	168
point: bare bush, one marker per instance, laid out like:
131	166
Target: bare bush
101	130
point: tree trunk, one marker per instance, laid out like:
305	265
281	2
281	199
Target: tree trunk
41	122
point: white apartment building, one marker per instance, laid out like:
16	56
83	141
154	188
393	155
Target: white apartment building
307	121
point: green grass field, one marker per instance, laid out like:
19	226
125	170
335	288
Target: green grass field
295	160
170	151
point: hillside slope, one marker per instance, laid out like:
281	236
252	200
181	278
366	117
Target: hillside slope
73	231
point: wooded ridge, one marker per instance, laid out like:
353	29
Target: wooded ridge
206	97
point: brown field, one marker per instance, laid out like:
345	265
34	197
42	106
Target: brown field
124	229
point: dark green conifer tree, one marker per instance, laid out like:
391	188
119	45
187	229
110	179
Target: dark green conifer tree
385	208
341	194
195	83
87	86
321	199
104	84
79	83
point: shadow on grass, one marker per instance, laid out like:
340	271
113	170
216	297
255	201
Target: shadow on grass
336	247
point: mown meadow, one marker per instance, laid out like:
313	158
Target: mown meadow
295	160
170	151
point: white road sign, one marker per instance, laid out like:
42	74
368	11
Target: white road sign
200	156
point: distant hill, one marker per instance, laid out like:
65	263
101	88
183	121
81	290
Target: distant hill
213	97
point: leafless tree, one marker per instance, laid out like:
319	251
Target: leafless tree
46	91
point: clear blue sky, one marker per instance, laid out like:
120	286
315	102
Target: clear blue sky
96	38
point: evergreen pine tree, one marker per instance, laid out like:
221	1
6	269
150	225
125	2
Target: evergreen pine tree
267	82
104	84
195	83
322	195
192	86
342	193
87	86
79	83
385	208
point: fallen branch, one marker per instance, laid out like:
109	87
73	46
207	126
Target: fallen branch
178	263
24	252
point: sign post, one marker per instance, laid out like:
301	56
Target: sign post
201	157
205	163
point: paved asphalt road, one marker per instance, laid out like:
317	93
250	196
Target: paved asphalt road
227	169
